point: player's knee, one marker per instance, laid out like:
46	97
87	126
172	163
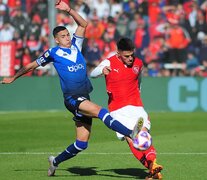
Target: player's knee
81	145
96	110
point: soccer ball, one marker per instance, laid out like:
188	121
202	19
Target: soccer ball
142	141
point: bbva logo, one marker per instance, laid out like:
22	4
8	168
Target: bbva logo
75	68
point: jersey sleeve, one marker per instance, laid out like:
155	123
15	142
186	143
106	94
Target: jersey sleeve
45	58
98	70
78	41
140	75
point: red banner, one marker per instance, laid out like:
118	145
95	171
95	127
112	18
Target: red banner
7	58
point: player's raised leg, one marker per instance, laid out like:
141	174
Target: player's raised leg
91	109
138	126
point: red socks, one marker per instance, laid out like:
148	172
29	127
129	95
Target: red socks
145	157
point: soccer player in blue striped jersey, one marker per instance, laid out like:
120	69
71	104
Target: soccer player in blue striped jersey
75	84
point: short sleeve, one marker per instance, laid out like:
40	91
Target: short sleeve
78	41
45	58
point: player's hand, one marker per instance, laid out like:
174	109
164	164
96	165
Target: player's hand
7	80
106	70
61	5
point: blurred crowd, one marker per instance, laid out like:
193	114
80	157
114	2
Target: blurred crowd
170	36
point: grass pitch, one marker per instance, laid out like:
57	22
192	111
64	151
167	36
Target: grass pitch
28	138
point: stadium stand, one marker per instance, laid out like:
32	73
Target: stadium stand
167	34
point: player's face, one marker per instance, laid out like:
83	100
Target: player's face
127	57
63	39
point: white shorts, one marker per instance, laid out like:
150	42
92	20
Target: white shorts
128	116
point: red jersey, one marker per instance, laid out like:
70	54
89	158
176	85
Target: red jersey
122	84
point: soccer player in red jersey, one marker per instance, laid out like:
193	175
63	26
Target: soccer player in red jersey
123	77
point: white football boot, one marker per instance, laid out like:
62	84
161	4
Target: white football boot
52	168
138	126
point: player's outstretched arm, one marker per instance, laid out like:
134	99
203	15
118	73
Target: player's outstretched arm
103	68
82	24
30	67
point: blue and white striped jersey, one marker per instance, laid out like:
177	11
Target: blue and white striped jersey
70	66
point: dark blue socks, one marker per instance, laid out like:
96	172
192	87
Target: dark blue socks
112	123
70	152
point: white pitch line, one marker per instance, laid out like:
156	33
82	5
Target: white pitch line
101	153
183	153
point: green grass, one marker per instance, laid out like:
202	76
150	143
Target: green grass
27	138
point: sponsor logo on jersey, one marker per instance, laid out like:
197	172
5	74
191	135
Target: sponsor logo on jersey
116	70
75	68
135	69
65	54
46	54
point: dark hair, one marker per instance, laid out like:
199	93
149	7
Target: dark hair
58	29
125	44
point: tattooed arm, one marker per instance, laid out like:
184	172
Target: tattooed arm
30	67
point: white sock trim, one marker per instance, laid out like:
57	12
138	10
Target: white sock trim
77	147
112	121
104	118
